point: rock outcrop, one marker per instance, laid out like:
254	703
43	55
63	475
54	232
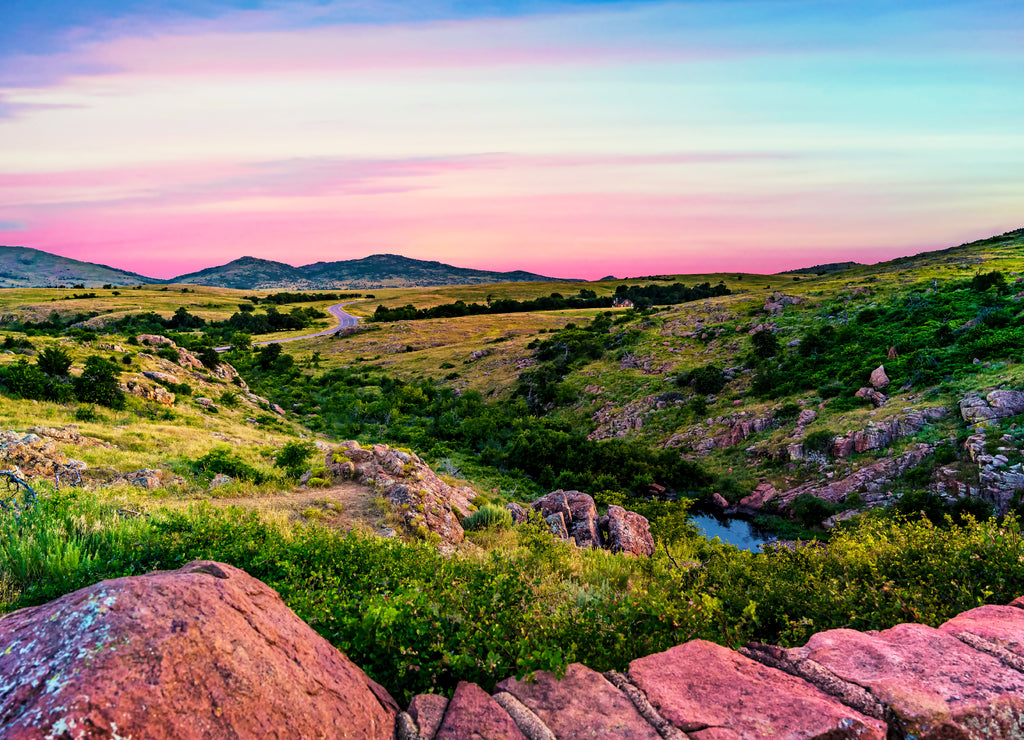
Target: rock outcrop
205	651
876	435
32	456
776	302
148	392
870	482
999	481
879	379
572	516
996	405
425	502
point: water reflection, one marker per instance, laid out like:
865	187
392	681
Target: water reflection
737	532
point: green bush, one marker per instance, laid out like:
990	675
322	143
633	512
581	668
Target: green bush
707	380
488	516
819	441
54	361
223	460
98	383
293	457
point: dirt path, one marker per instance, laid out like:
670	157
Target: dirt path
347	506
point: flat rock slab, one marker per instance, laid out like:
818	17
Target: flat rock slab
1002	625
205	651
474	715
712	693
583	704
937	686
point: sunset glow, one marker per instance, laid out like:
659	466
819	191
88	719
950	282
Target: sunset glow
570	139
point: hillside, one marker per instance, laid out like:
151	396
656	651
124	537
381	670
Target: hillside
878	410
375	271
22	267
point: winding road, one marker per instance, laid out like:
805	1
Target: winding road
337	311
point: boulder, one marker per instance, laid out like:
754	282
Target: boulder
937	686
472	713
154	340
996	405
519	514
699	685
427	711
879	379
628	532
220	480
205	651
160	377
147	392
581	704
871	394
188	360
719	500
418	494
579	516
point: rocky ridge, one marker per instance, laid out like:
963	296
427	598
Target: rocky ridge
208	651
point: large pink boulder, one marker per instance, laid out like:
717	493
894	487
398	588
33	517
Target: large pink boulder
205	651
628	532
710	692
937	686
473	714
1000	625
582	704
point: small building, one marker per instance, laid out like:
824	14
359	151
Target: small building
622	303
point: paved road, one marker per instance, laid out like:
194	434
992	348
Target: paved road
337	311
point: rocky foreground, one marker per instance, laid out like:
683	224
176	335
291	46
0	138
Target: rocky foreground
207	651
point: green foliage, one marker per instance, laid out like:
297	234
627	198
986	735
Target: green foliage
418	621
488	516
707	380
222	460
54	361
293	457
811	511
818	441
765	343
98	383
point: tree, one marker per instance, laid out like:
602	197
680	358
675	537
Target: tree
98	383
766	344
54	361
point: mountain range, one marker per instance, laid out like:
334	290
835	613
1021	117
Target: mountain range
24	267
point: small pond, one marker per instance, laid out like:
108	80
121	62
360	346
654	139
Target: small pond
739	533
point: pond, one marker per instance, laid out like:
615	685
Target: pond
739	533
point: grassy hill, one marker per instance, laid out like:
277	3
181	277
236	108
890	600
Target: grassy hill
22	267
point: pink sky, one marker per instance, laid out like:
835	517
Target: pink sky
621	139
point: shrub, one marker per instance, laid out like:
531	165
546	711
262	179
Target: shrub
818	441
223	460
293	456
765	343
708	379
98	383
54	361
811	511
488	516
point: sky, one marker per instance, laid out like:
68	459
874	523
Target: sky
575	139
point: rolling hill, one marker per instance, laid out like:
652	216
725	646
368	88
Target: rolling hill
23	267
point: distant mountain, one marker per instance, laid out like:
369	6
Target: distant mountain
822	269
375	271
23	267
247	273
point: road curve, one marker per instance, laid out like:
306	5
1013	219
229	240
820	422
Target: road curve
337	311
